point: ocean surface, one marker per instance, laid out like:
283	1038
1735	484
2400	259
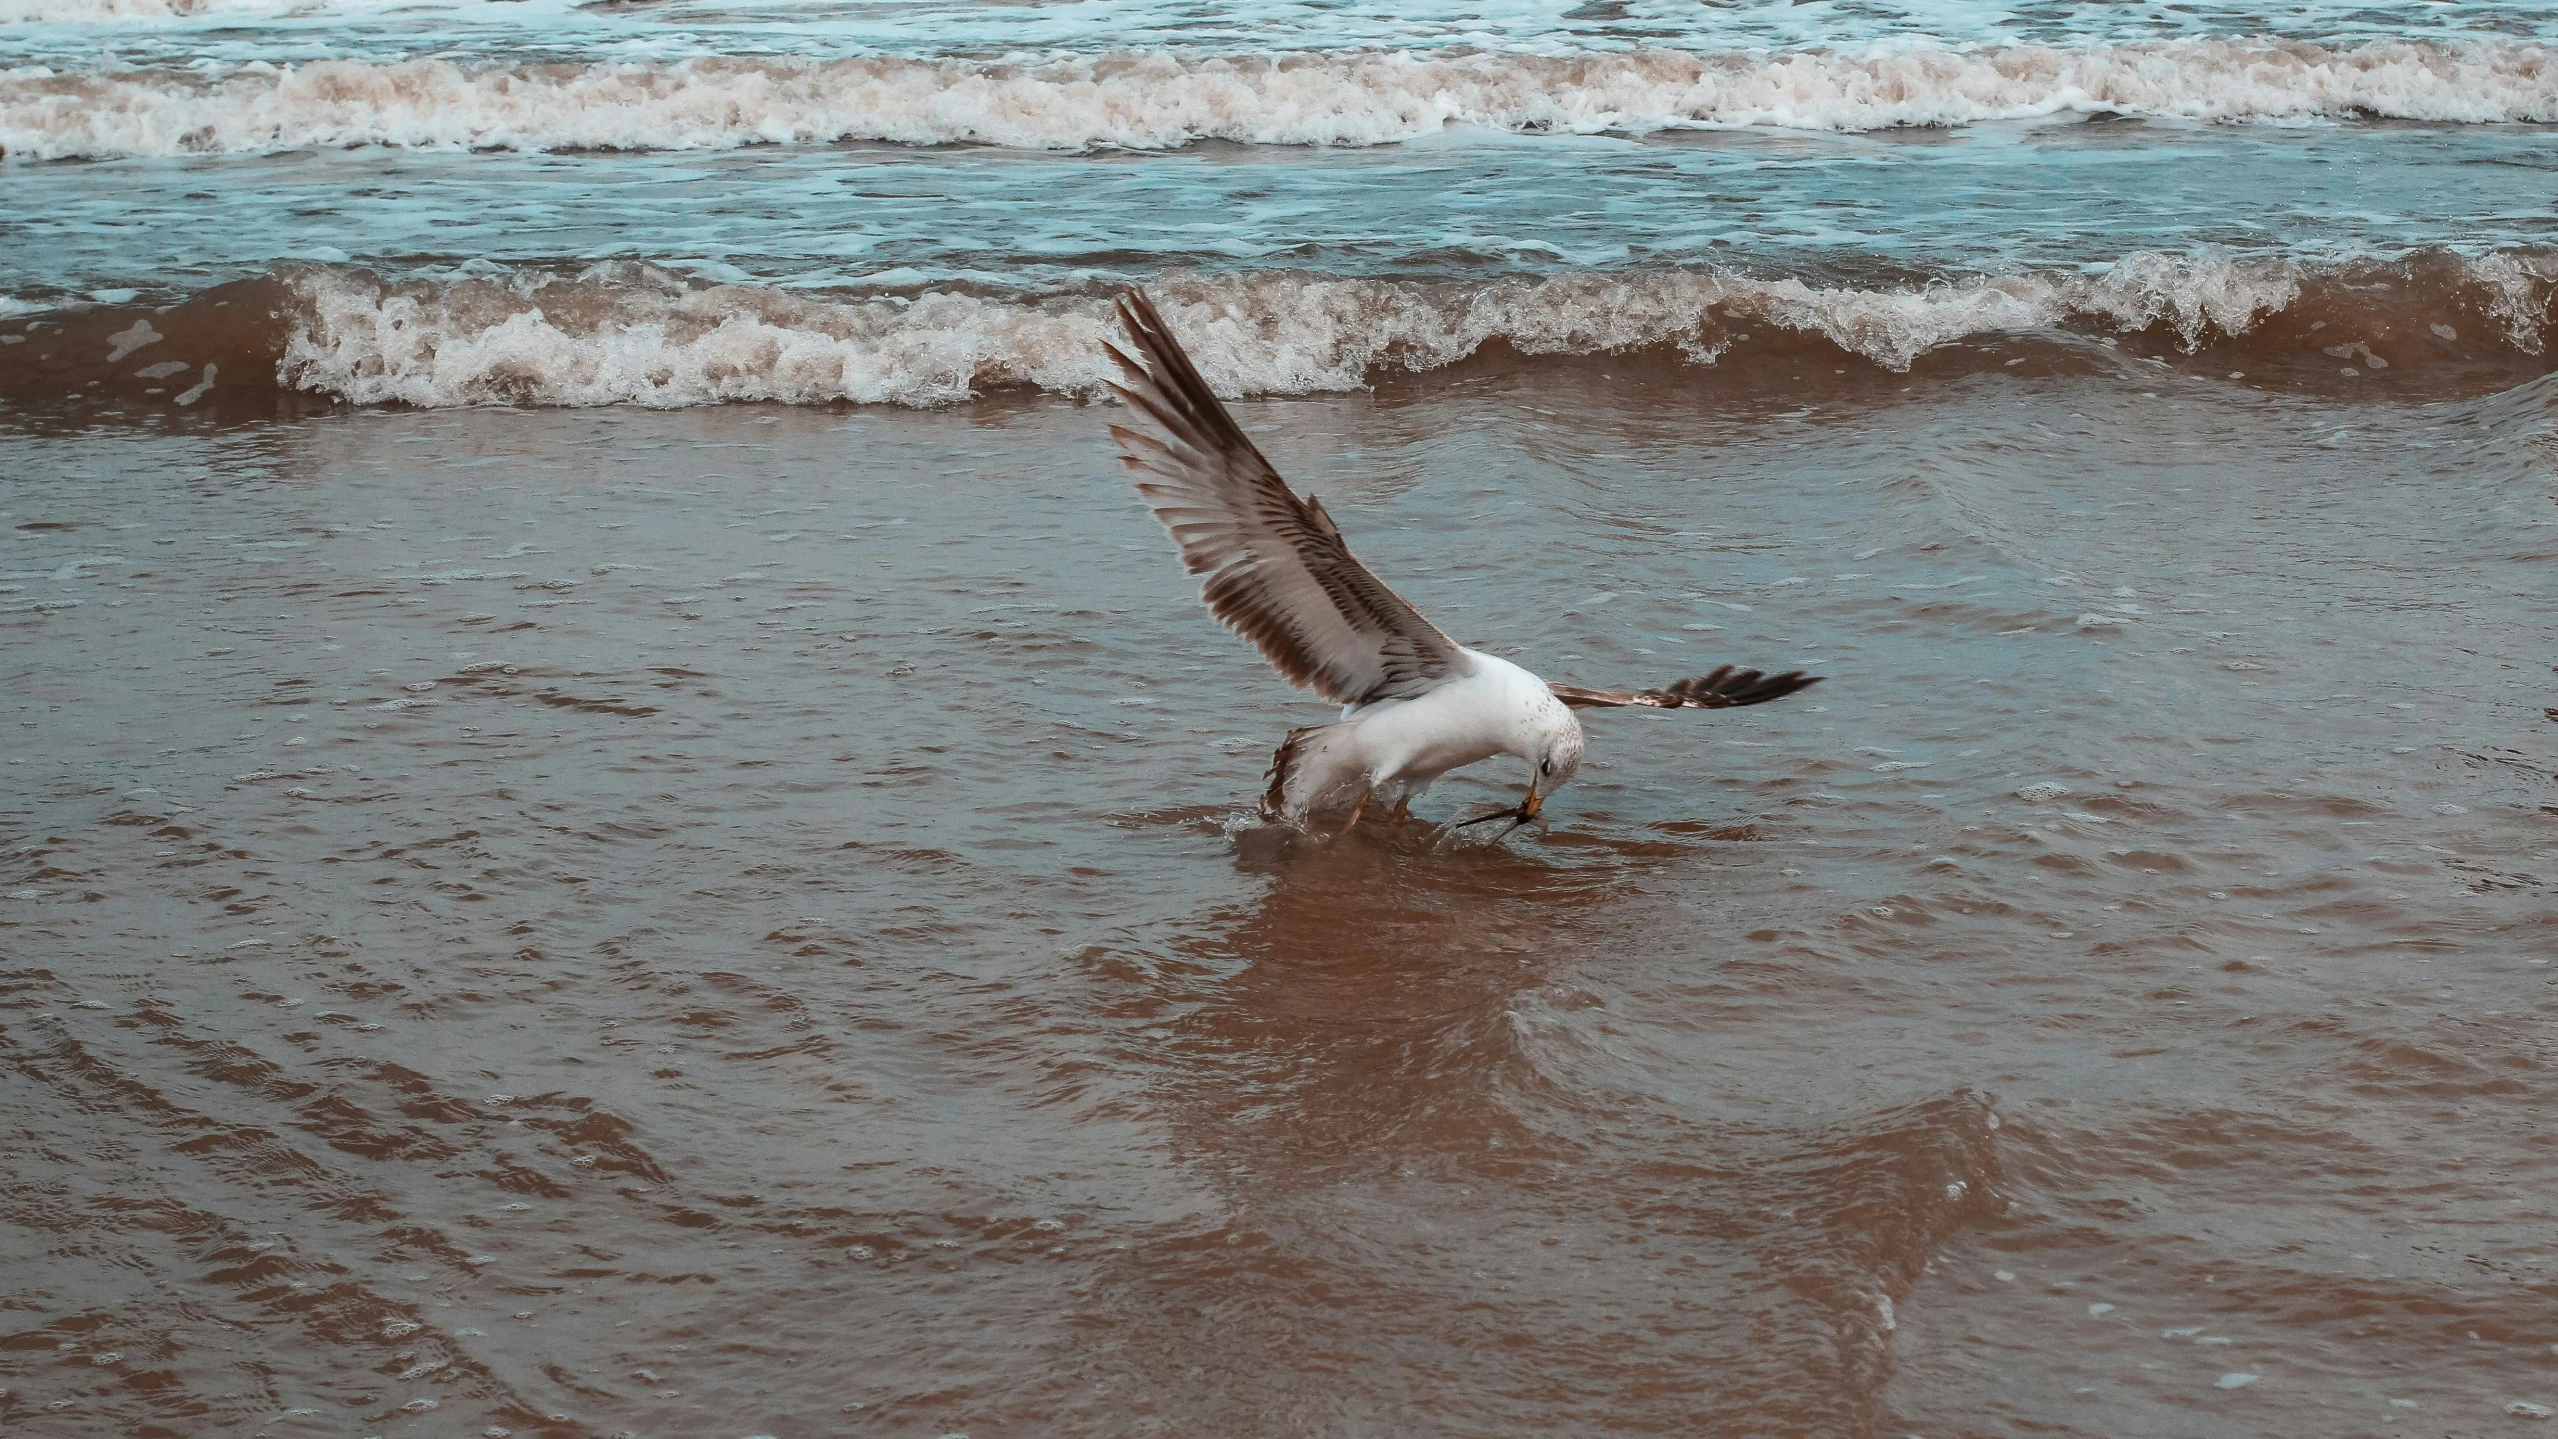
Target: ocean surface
613	821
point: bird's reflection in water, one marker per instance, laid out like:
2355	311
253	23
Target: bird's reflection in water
1390	1072
1367	1003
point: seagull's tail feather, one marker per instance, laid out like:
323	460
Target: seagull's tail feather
1316	770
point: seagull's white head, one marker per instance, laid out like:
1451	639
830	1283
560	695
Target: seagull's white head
1558	754
1554	747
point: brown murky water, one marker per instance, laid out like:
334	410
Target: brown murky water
746	922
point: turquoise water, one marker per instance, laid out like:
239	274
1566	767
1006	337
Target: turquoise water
547	188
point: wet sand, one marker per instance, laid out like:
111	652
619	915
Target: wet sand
749	921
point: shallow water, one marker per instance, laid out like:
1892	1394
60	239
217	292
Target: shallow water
748	920
615	822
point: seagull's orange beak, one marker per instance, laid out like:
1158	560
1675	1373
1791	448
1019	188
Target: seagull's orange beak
1526	811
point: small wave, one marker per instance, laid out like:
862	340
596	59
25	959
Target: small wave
241	13
94	12
1162	99
628	333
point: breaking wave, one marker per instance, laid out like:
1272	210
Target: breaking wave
1154	99
628	333
91	12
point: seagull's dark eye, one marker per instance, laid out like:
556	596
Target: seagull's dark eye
1546	765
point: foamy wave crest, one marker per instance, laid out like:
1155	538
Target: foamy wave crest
1157	99
632	334
92	12
228	12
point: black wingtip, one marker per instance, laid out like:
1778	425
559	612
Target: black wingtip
1731	688
1763	688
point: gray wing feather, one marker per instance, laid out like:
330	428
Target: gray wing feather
1278	572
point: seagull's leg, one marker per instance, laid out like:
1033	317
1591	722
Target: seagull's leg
1357	810
1402	810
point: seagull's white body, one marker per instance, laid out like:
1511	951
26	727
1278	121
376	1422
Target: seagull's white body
1494	707
1416	704
1394	749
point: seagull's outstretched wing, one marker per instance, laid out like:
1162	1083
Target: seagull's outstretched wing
1726	688
1277	571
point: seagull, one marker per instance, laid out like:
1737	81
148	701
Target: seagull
1415	704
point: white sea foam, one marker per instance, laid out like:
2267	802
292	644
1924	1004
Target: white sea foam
2519	290
631	334
99	12
184	31
1157	99
231	14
